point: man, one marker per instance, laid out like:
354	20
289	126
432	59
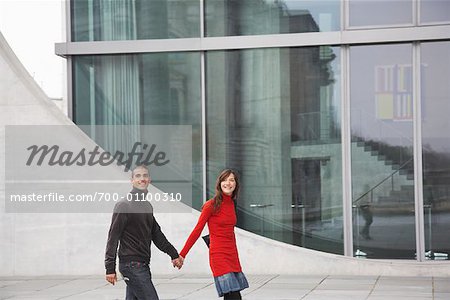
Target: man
134	225
365	207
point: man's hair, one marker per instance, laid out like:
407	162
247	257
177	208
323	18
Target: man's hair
139	167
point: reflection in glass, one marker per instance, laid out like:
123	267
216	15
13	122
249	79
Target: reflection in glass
252	17
436	147
435	11
380	13
382	151
148	89
280	131
96	20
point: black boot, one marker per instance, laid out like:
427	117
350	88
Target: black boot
232	296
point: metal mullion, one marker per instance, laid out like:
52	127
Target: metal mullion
69	78
202	18
203	101
418	177
416	13
346	153
68	14
345	14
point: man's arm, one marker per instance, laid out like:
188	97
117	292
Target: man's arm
161	241
118	222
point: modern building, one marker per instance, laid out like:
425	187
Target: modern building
335	113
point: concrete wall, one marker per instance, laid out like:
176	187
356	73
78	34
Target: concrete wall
73	244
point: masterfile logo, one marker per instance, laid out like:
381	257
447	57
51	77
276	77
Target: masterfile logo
53	156
87	168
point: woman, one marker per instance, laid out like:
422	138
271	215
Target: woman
219	212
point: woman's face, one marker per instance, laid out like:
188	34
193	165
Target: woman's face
228	185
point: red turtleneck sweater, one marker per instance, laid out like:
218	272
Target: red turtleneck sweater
223	254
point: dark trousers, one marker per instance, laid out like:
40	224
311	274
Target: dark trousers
138	278
232	296
367	214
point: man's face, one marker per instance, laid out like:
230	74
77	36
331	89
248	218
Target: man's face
141	179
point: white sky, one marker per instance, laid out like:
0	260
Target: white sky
32	27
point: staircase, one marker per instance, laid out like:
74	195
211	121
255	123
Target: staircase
390	184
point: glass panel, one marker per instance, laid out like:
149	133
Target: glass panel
147	89
281	131
435	11
382	151
97	20
436	147
250	17
380	13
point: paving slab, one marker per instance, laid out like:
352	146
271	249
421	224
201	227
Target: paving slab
201	287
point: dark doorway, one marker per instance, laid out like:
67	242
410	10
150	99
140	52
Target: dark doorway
306	196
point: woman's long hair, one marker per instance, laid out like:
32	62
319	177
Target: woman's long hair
218	197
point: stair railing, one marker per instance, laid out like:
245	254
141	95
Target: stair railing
391	176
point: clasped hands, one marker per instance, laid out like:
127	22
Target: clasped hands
178	262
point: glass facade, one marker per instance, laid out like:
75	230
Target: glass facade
375	13
305	119
381	100
435	64
250	17
435	11
280	130
98	20
141	89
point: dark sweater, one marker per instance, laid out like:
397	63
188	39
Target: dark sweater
134	225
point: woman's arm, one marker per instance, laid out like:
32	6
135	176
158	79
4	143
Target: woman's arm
195	234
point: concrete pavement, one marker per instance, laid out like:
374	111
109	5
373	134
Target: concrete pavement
199	287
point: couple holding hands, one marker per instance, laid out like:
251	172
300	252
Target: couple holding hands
134	225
